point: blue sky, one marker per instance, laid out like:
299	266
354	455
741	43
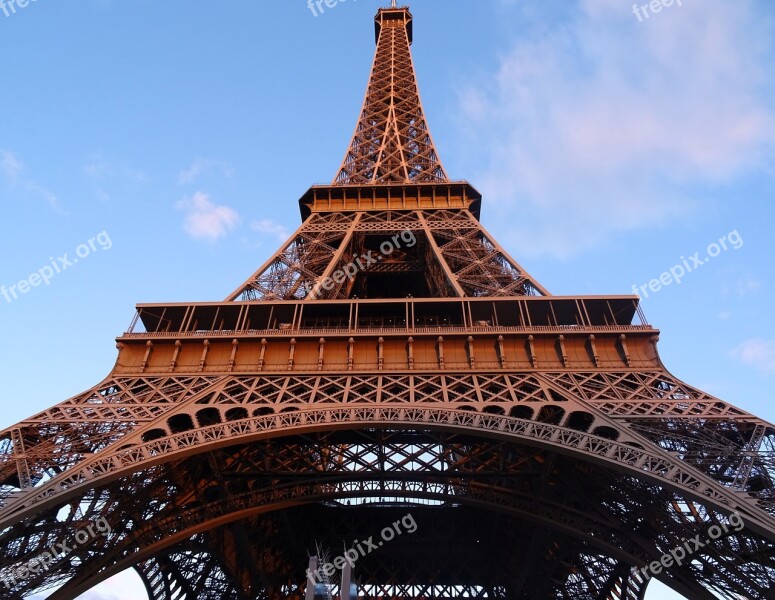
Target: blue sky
177	136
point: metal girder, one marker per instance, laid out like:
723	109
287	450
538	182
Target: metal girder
291	272
539	442
546	406
602	513
392	142
458	256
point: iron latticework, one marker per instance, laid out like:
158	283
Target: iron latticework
390	359
392	142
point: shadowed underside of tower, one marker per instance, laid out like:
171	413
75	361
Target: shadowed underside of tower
391	360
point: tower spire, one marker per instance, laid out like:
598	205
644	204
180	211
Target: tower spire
392	142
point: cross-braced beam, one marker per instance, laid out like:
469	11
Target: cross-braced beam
392	142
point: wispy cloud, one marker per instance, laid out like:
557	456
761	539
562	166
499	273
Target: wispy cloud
205	220
11	165
104	175
601	124
739	282
201	166
271	228
748	285
757	353
13	170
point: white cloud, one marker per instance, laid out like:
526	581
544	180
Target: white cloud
601	124
757	353
269	227
13	169
205	219
200	166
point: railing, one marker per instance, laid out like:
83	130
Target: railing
387	330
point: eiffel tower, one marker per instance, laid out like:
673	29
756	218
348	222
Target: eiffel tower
391	365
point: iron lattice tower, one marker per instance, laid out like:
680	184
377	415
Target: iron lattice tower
538	441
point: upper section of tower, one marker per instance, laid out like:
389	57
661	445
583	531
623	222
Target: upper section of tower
392	142
391	225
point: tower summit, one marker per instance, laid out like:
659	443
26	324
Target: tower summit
393	379
392	142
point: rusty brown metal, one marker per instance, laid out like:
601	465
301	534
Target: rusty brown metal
391	357
392	142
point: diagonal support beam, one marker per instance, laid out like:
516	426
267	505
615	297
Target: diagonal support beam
439	256
316	291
